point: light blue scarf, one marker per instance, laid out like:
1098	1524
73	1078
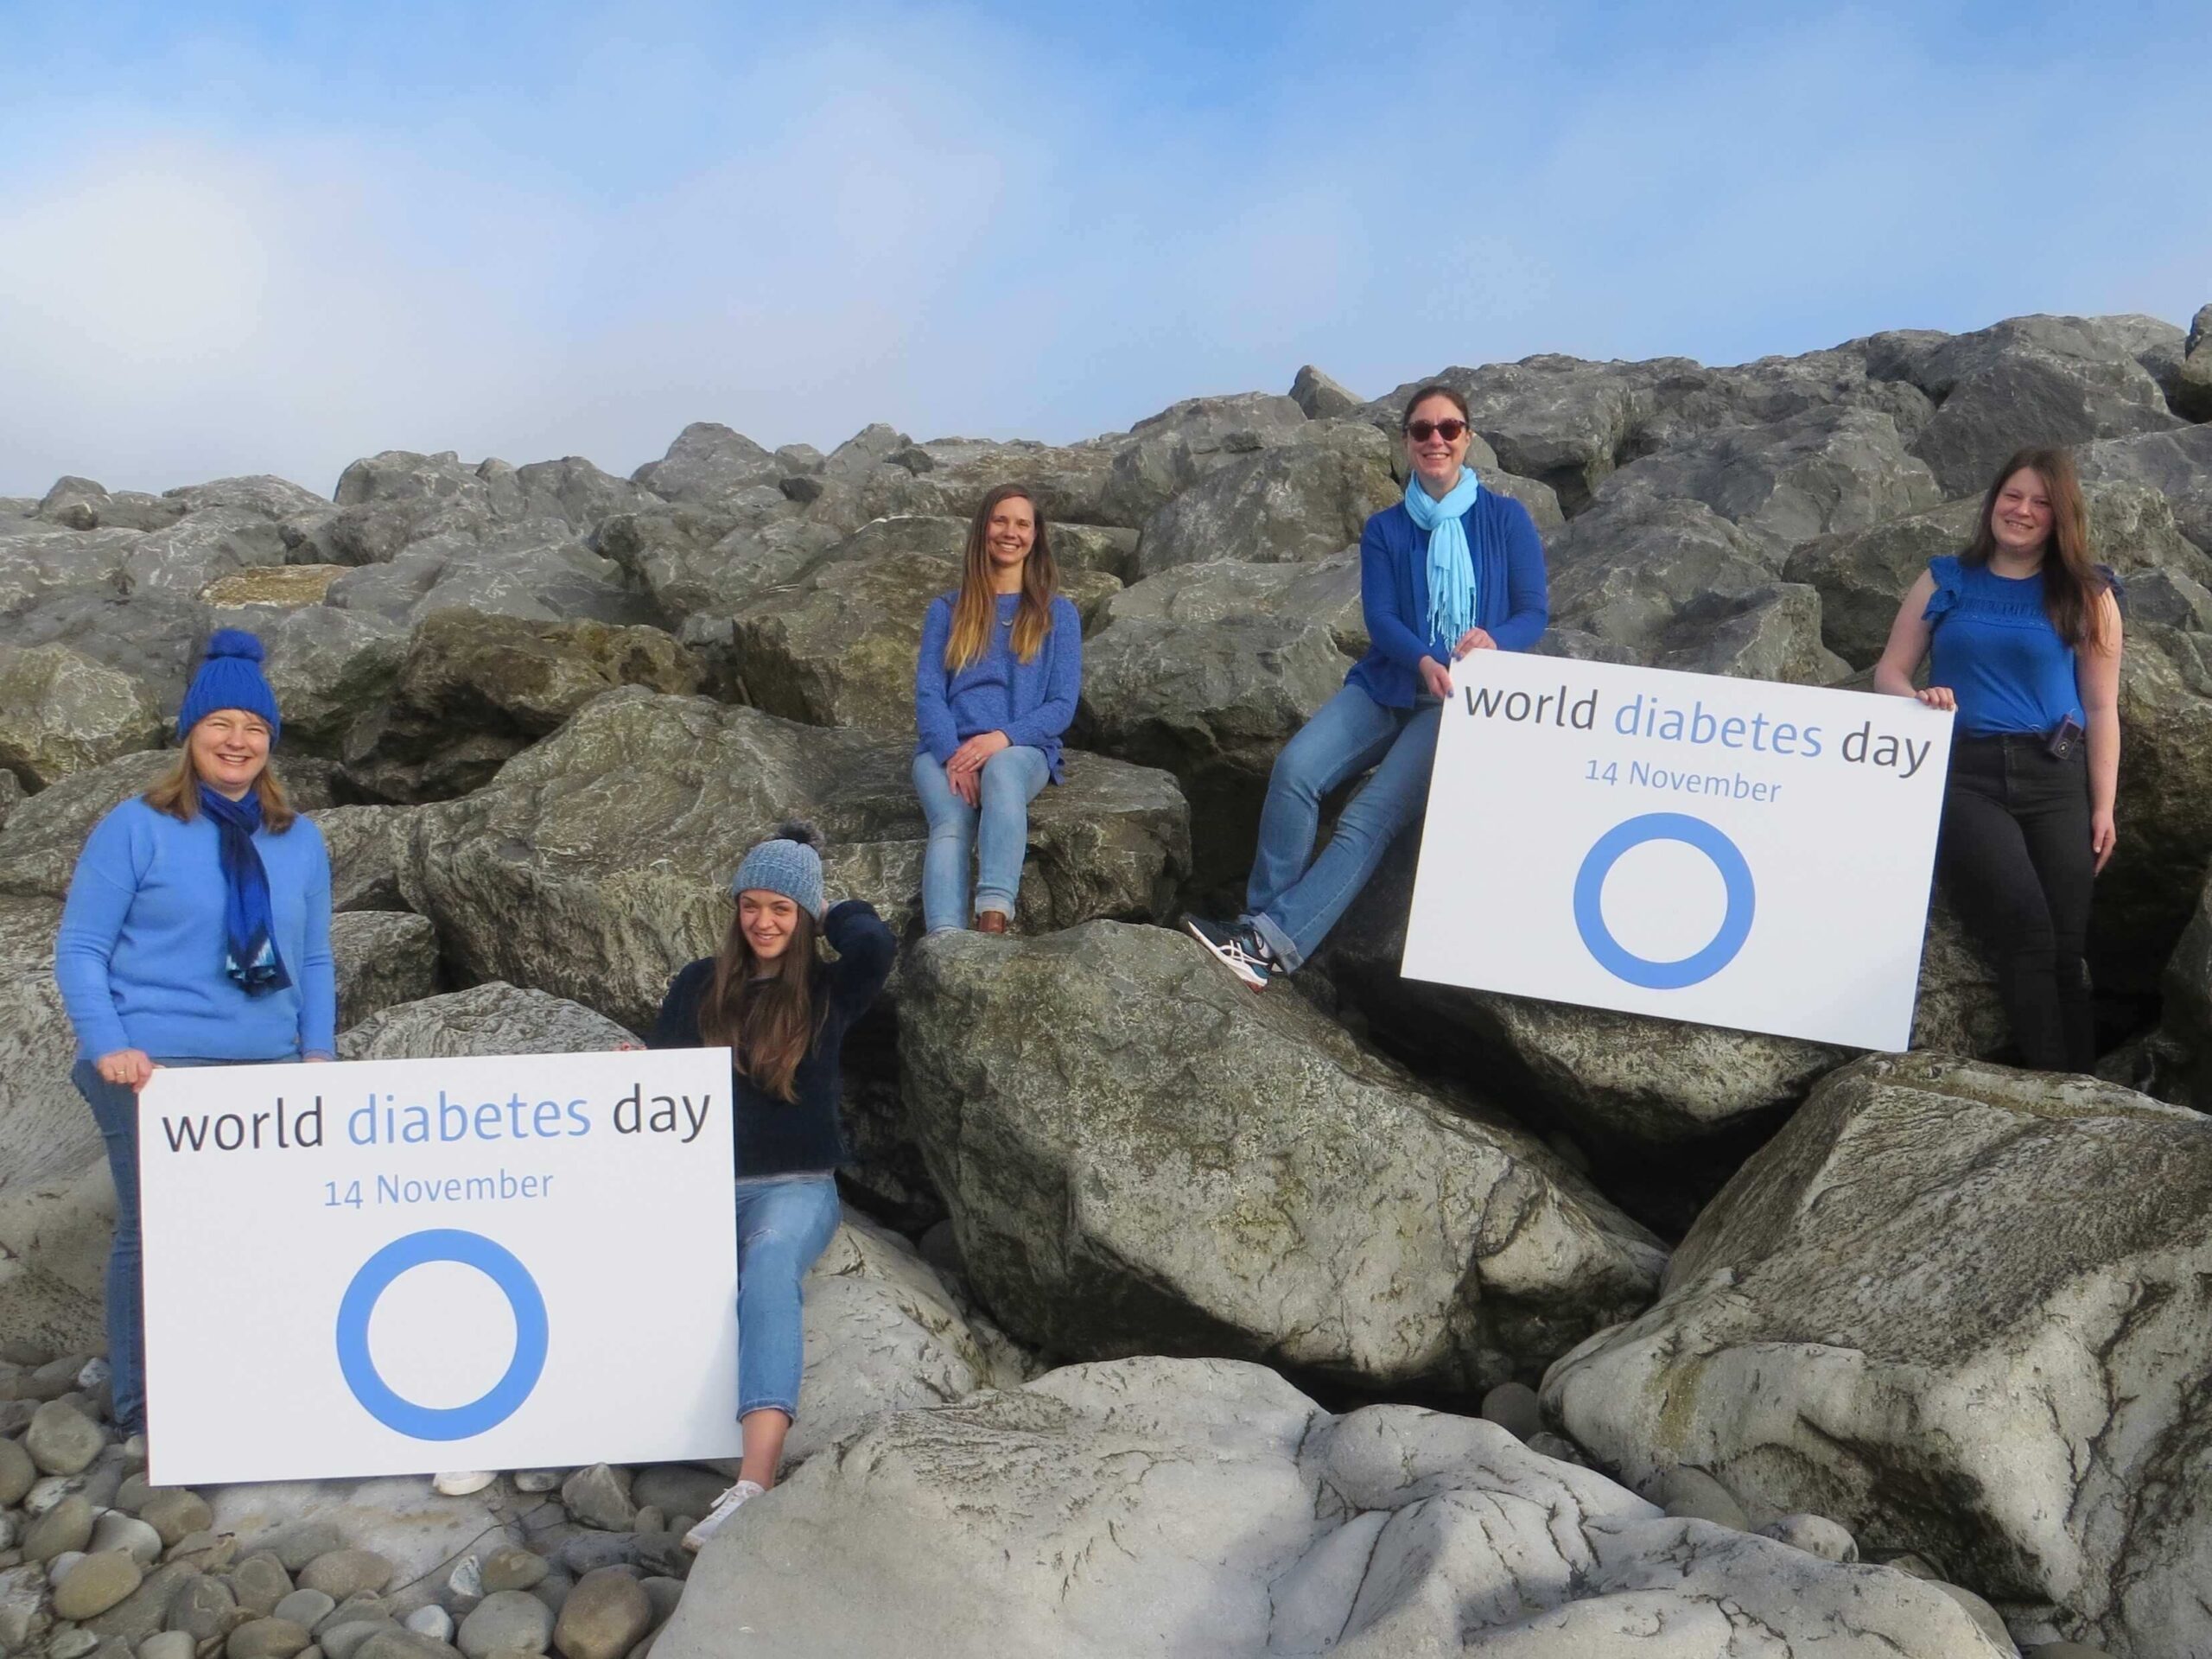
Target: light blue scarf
1451	563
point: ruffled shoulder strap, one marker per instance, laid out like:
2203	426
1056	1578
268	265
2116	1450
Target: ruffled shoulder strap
1950	581
2113	582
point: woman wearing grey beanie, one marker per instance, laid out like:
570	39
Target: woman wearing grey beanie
784	1012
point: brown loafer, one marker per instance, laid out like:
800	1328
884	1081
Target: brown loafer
991	921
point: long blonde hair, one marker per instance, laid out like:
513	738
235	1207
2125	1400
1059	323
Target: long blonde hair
974	612
177	793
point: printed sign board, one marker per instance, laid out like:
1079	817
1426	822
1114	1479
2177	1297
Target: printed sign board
1733	852
397	1267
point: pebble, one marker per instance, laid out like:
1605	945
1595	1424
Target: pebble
344	1572
599	1496
307	1607
1982	1613
431	1620
166	1644
1815	1534
649	1519
664	1553
49	1490
511	1567
211	1552
589	1551
295	1546
266	1638
96	1584
204	1609
339	1640
535	1480
53	1379
1688	1494
67	1525
17	1472
131	1493
260	1582
509	1619
604	1617
1514	1408
95	1374
677	1488
363	1606
466	1581
116	1530
134	1452
176	1513
71	1644
16	1416
57	1568
402	1644
140	1614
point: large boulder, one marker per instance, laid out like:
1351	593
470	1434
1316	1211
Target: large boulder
1165	453
1204	1507
187	556
475	690
699	561
37	559
39	843
492	1019
2032	380
263	494
706	462
61	713
1221	590
1283	505
1961	1310
84	504
949	477
2177	465
328	668
2165	807
383	957
535	568
368	850
595	864
1140	1157
2189	390
572	488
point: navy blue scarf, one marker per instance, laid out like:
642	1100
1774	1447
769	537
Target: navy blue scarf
249	945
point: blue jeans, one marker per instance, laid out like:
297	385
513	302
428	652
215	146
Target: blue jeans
998	833
1292	906
115	1109
783	1226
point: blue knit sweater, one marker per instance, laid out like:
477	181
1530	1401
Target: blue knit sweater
1511	601
1032	702
140	955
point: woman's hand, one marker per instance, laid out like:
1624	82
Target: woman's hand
127	1068
970	755
1436	678
2103	836
968	785
1937	696
1473	640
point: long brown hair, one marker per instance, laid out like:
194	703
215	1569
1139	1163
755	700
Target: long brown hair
177	793
2072	583
974	613
768	1020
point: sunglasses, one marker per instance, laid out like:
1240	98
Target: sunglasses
1421	431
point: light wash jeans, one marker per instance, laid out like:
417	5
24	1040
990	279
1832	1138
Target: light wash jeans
1292	906
783	1223
115	1109
998	834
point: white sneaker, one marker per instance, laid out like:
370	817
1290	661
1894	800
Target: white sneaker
462	1482
725	1506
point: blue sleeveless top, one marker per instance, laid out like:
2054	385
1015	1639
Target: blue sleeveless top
1994	644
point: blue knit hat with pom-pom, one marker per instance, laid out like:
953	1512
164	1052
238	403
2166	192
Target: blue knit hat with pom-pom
230	677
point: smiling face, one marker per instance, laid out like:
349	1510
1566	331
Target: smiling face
1008	535
229	750
1436	460
767	919
2021	516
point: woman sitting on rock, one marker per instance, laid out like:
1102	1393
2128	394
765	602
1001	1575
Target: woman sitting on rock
1453	569
197	932
784	1012
2022	635
996	685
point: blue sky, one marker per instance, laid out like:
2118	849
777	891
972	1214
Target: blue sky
272	238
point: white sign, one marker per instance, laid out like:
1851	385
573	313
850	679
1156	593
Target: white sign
398	1267
1733	852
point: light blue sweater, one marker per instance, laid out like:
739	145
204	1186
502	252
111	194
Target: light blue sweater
1032	702
140	955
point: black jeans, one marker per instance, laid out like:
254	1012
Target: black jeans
2015	859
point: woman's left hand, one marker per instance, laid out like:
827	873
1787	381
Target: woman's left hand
970	755
1473	640
2103	836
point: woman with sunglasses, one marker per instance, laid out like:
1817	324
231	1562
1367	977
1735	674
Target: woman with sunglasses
1453	568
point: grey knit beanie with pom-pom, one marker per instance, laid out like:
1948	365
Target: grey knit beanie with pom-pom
789	863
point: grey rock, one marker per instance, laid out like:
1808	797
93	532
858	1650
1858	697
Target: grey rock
368	849
535	568
1281	505
166	1644
38	562
1100	548
864	451
261	494
572	488
1557	1447
652	800
1903	1379
185	556
603	1617
706	462
2172	599
511	1567
67	1526
587	1552
345	1640
260	1582
1514	1408
116	1530
1984	1617
344	1572
204	1609
71	1644
2176	466
1071	483
17	1472
1165	453
1814	1534
681	553
402	1644
2145	894
139	1615
431	1620
509	1621
682	1488
385	958
327	667
266	1638
296	1544
1090	1221
494	1018
173	1512
306	1607
67	714
1692	1495
1321	396
599	1496
25	1612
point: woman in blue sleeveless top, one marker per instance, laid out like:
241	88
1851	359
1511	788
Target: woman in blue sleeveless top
2022	634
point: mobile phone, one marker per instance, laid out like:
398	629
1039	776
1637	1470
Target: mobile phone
2065	738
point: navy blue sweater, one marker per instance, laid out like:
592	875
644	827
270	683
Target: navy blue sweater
1512	603
782	1137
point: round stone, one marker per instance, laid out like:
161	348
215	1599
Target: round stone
1690	1494
71	1644
1815	1534
61	1440
116	1530
511	1567
305	1607
1514	1408
295	1546
511	1620
342	1638
204	1609
67	1526
96	1584
57	1568
176	1513
260	1582
17	1472
166	1644
345	1573
266	1638
604	1616
1982	1613
431	1620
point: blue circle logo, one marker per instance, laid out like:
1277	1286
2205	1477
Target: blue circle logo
501	1401
1623	964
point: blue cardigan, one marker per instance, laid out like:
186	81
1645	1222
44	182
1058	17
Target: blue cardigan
1032	702
140	955
1511	599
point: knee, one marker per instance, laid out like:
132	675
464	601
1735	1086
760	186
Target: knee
1299	772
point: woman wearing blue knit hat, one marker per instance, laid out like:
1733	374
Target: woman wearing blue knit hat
784	1012
197	932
